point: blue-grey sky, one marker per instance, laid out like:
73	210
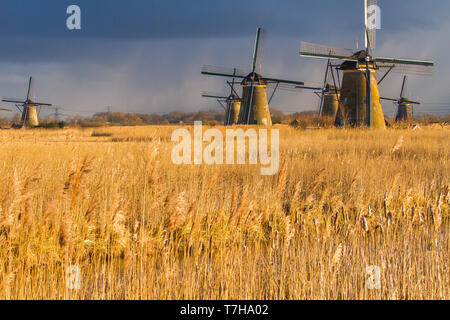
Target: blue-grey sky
145	56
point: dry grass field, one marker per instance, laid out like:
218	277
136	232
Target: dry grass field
111	202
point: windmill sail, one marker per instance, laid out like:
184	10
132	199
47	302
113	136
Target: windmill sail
292	87
13	100
372	20
309	49
402	92
258	54
236	73
405	66
30	92
283	81
325	82
223	72
388	99
213	96
40	104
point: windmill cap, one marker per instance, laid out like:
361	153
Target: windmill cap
254	78
361	56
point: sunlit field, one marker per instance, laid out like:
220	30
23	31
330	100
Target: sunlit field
111	202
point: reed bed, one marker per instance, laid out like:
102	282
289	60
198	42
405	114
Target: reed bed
111	202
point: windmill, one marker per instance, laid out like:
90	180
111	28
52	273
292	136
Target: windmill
28	108
329	94
359	101
404	105
231	104
254	103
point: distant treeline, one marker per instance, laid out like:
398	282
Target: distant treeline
211	117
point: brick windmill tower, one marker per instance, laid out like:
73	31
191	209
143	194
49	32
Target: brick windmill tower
404	105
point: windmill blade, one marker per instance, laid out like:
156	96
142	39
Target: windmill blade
328	71
403	87
5	109
368	45
406	66
407	69
258	54
249	105
275	80
389	99
221	102
232	83
310	87
325	82
233	91
276	86
292	87
13	100
223	72
407	101
213	96
41	104
308	49
30	88
371	18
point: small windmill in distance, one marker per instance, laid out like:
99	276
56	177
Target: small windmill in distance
230	104
28	108
329	94
404	105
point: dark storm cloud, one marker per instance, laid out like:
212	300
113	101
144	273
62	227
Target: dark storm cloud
35	31
163	18
146	55
206	18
